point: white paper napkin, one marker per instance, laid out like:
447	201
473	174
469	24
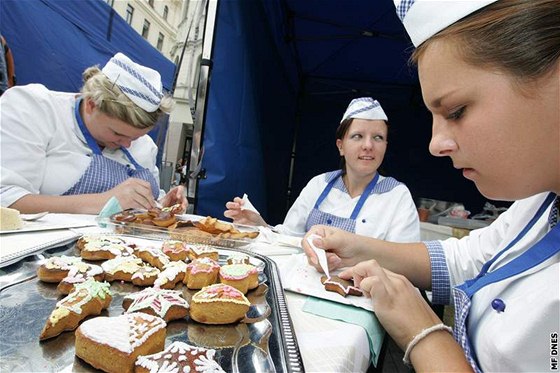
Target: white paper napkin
247	205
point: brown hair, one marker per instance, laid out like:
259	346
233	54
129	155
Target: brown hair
112	101
518	37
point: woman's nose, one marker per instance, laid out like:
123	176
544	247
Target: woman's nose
125	142
442	143
367	143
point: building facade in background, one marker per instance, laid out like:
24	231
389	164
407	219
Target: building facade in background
175	28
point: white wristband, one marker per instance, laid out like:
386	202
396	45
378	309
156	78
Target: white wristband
418	337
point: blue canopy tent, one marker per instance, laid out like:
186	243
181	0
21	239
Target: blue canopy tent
283	72
54	41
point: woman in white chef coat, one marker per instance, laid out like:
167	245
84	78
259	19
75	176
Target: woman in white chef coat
72	152
490	73
356	197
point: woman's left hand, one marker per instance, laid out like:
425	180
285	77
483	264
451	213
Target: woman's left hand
397	303
176	196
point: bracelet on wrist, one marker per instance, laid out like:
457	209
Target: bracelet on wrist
423	334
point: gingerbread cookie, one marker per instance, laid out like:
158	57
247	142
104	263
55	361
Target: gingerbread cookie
167	304
76	275
88	298
152	255
241	276
171	275
238	258
122	268
180	357
201	272
175	250
219	304
340	286
112	344
203	251
103	247
56	268
146	275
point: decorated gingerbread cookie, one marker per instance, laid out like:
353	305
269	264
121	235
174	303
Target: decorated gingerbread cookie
241	276
56	268
88	298
201	272
175	250
340	286
172	274
180	357
112	344
203	251
103	247
152	255
167	304
219	304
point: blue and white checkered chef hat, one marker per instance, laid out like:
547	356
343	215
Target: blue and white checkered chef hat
425	18
364	108
139	83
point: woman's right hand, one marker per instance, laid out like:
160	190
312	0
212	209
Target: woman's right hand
240	216
132	193
341	246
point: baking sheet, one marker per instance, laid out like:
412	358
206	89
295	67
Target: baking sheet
144	230
298	276
264	343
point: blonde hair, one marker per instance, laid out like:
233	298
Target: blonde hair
518	37
112	101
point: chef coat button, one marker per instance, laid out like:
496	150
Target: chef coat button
329	221
498	305
363	220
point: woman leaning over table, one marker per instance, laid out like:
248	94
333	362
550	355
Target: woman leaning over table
71	152
490	73
356	197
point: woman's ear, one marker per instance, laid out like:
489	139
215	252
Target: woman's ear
89	105
339	146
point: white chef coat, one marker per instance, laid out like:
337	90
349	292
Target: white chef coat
43	150
387	214
518	339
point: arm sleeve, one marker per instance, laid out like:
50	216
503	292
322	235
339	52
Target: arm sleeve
405	225
296	219
25	133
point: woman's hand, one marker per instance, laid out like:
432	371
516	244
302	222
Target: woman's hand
398	305
240	216
342	247
176	196
132	193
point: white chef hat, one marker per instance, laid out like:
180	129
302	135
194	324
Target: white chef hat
424	18
141	84
364	108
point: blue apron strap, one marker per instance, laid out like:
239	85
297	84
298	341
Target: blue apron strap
538	253
364	197
131	159
326	191
549	199
89	139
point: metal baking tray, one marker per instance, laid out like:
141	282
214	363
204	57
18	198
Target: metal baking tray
142	230
264	343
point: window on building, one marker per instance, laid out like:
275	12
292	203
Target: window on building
129	14
110	2
160	41
165	12
146	29
151	2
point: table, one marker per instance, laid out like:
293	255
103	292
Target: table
325	345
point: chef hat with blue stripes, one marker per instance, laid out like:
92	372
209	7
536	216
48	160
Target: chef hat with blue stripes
425	18
364	108
140	84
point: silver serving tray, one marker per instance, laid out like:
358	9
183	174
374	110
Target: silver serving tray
264	342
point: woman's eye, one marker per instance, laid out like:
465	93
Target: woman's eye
457	114
356	136
378	138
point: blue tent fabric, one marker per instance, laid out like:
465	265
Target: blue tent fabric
54	41
285	70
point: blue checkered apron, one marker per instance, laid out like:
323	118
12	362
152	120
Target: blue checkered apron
545	248
317	216
103	173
